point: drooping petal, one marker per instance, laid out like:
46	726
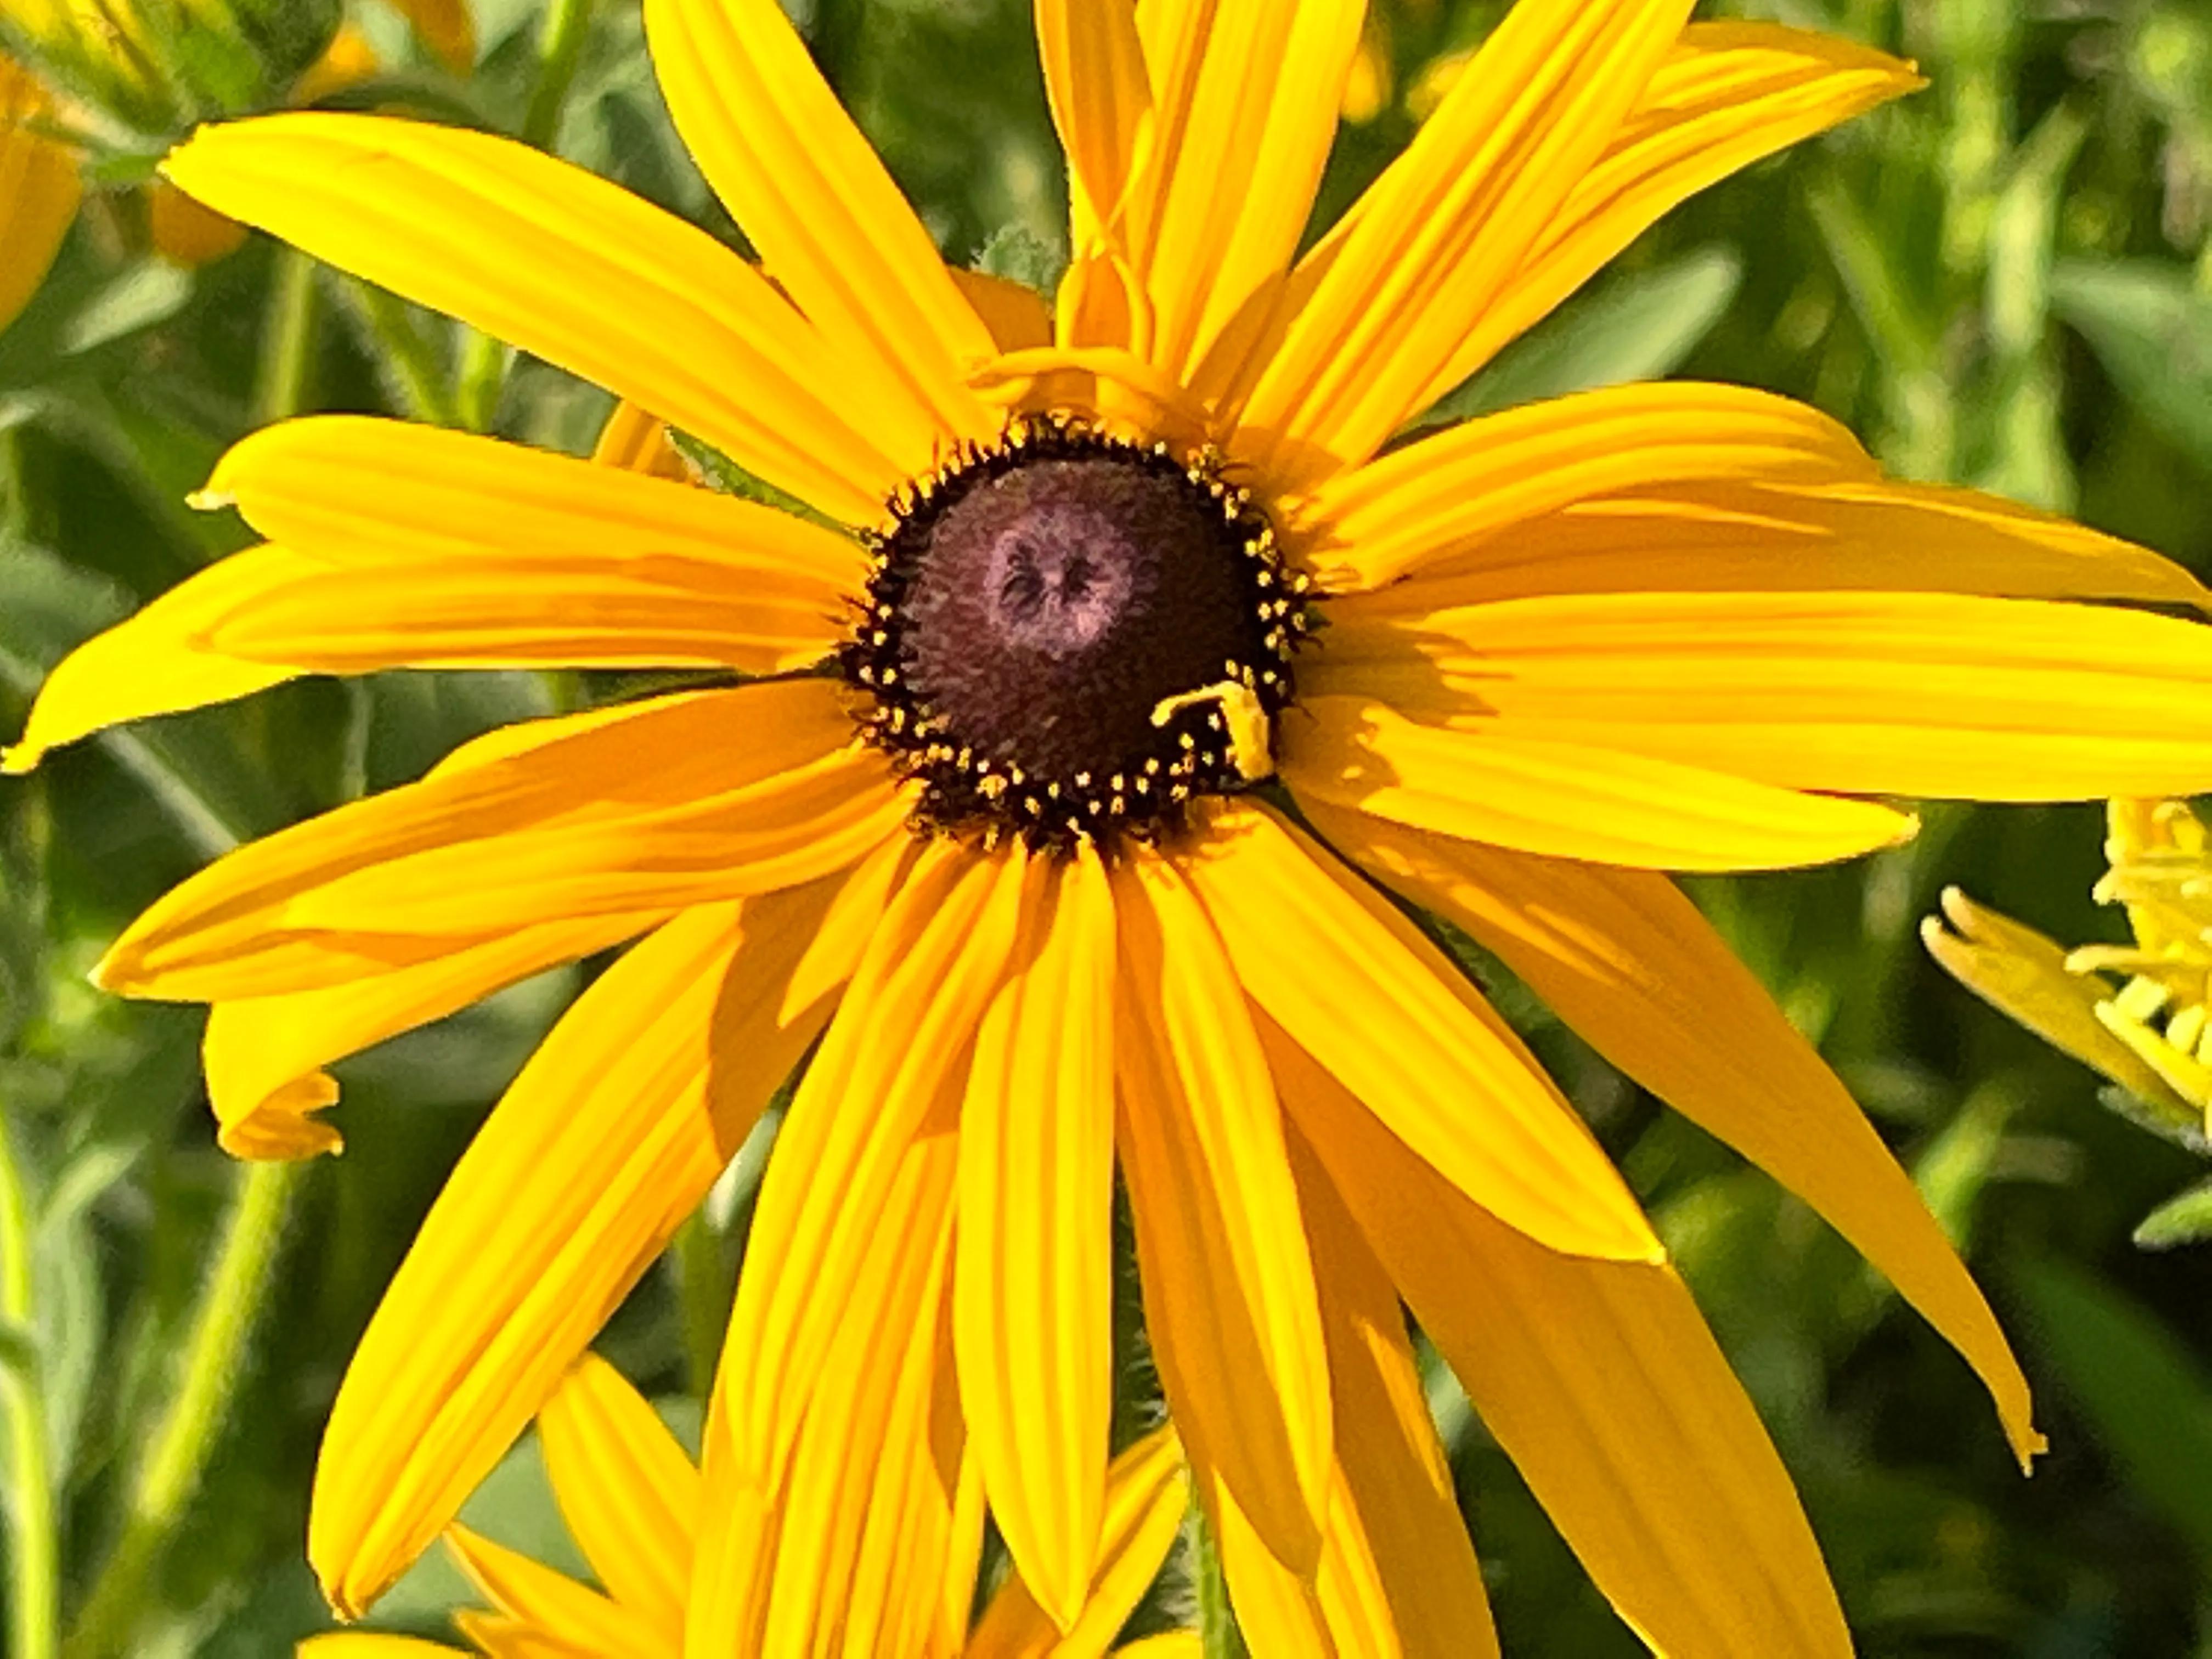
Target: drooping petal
1246	104
628	1493
1229	1293
830	225
1730	94
446	27
1444	231
1398	1577
1146	1497
928	972
1602	1382
368	1644
38	189
565	265
157	662
641	807
2024	975
1629	962
811	1562
1102	104
1399	1026
1524	786
609	1138
1937	695
1485	479
450	549
1033	1281
636	439
1769	536
264	1055
550	1605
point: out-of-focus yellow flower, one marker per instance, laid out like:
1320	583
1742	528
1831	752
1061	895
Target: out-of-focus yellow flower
2136	1012
631	1499
38	189
1371	82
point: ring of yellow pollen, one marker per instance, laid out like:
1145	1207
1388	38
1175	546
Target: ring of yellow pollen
1069	637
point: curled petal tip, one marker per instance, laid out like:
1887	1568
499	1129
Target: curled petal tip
210	500
20	759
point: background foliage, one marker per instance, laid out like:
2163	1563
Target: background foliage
2007	281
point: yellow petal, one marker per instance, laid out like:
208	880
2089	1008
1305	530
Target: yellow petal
1146	1497
1628	962
636	441
1602	1382
628	1494
1481	481
2023	974
1243	140
1379	1005
38	189
1033	1282
1102	103
1730	94
461	551
156	662
830	225
643	807
497	1636
1017	315
567	266
1521	786
1229	1293
1444	231
841	1553
366	1644
1398	1577
264	1055
1764	534
929	971
1948	695
551	1607
609	1138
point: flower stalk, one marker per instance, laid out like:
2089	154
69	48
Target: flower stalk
33	1555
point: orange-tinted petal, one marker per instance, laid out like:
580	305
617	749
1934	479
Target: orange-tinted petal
1941	694
563	264
1603	1385
550	1606
1401	1027
1033	1285
1522	785
830	225
610	1137
38	189
928	972
264	1055
1443	233
1628	962
1229	1293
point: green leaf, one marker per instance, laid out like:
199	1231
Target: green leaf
2184	1218
150	292
2148	1399
1642	327
2152	329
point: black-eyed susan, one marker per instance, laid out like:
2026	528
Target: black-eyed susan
1005	810
630	1498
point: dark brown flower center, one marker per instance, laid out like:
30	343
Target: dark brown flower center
1069	636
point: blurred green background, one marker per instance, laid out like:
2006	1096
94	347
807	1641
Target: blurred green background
2006	281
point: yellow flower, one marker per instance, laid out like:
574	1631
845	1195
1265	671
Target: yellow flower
2137	1013
38	189
630	1498
983	826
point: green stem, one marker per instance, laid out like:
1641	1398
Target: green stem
702	1289
560	53
185	1437
288	353
1218	1634
34	1560
416	374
